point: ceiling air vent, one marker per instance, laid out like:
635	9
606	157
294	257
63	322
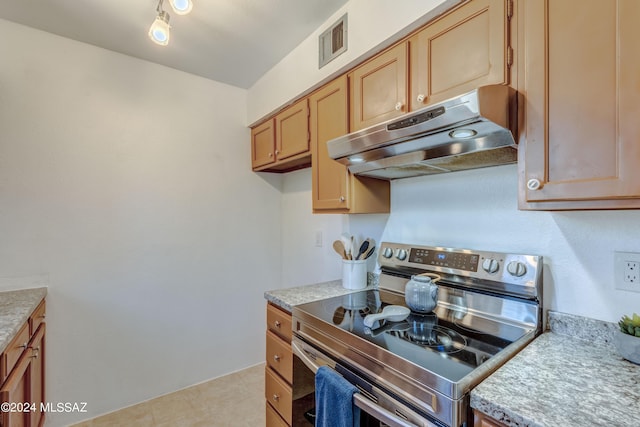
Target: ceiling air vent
333	41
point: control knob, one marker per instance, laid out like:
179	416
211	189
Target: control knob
387	252
516	268
490	265
401	254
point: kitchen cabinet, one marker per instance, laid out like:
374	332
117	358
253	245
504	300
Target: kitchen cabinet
379	88
282	143
23	362
334	189
279	367
482	420
466	48
581	142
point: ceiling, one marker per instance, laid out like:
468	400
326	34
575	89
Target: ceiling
230	41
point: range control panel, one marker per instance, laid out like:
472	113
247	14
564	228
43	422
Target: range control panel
515	269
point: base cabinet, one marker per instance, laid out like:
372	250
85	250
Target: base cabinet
482	420
23	387
278	372
581	145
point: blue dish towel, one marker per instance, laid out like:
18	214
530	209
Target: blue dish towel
334	400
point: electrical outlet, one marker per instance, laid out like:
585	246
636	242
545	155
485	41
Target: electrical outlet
627	271
318	238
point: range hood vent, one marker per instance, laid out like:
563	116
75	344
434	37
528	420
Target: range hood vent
470	131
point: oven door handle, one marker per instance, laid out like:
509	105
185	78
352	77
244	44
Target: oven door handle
359	400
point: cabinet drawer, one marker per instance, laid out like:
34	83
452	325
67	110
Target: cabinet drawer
279	321
279	356
273	419
278	394
37	317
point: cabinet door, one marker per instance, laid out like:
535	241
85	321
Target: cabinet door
36	374
263	144
16	391
482	420
462	50
582	142
292	130
379	88
328	120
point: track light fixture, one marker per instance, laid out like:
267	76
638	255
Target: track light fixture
160	30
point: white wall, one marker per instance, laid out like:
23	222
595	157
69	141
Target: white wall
129	185
370	22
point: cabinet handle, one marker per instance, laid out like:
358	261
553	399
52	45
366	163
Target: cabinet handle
399	106
276	397
534	184
277	324
276	357
421	97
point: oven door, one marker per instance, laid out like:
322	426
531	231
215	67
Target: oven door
378	408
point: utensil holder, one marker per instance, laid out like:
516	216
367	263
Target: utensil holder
354	274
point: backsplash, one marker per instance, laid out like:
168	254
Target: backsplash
584	328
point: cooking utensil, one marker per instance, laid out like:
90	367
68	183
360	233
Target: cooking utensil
363	248
392	313
345	238
421	292
370	250
338	246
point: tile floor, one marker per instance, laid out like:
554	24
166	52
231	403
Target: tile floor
235	400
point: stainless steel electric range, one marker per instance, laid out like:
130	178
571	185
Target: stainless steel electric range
419	372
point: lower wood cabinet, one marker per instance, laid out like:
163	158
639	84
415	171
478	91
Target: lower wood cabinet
279	369
482	420
23	385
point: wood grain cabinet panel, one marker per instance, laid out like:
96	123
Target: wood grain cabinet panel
464	49
482	420
281	144
379	88
334	189
582	138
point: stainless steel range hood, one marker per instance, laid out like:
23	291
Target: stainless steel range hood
470	131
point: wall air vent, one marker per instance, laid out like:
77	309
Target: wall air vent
333	42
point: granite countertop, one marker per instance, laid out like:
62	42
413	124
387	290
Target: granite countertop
15	309
287	298
571	375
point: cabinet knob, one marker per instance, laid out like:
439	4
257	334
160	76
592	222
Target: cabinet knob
276	357
534	184
342	199
276	398
420	97
270	154
277	323
399	106
277	152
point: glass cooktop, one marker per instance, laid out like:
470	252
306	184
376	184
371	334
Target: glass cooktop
450	341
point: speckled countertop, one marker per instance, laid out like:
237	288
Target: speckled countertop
15	309
571	375
287	298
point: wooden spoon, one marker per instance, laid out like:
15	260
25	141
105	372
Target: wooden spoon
338	246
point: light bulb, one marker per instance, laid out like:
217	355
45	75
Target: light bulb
181	7
160	30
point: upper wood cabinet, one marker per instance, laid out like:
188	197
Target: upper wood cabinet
334	189
581	145
282	143
464	49
379	88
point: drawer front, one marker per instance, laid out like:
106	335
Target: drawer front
279	321
273	419
279	356
16	347
37	317
278	394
